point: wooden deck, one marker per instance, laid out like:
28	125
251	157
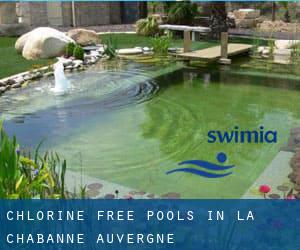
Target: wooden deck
214	53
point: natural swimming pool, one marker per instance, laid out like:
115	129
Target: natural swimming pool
130	123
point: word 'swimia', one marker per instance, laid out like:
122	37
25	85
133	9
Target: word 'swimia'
242	136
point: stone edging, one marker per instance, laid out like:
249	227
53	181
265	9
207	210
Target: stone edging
18	80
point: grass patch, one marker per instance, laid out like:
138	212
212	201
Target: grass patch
12	63
133	40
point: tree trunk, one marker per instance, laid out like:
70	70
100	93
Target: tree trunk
273	12
218	19
143	9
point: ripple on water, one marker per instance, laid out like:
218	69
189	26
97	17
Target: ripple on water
90	92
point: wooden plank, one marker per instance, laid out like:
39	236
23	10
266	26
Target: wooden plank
224	45
200	29
187	41
214	53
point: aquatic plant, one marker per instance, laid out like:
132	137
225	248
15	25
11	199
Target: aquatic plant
161	45
182	13
264	189
78	53
271	44
110	48
25	177
148	27
69	50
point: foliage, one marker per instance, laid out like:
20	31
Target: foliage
271	45
154	6
110	48
287	17
161	45
78	52
148	26
69	50
182	13
24	177
14	62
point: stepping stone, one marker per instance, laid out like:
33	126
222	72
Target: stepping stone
283	188
132	51
95	186
171	195
92	193
274	196
109	196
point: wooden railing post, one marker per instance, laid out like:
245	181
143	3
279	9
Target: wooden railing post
224	48
224	45
186	41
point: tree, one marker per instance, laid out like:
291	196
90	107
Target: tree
218	19
143	6
273	11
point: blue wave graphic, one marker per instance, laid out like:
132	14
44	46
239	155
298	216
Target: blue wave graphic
207	165
198	172
203	164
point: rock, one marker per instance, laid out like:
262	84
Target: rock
172	50
19	79
94	53
261	49
42	42
65	61
48	74
77	63
14	30
2	83
246	23
84	37
20	43
16	85
283	52
286	44
297	138
146	49
246	13
277	26
131	51
160	19
282	56
10	82
171	195
2	90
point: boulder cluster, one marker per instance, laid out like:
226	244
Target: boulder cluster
47	42
278	26
245	18
294	176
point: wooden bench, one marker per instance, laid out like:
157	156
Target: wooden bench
186	33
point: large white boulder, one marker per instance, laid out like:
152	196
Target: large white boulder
130	51
42	42
286	44
84	37
246	13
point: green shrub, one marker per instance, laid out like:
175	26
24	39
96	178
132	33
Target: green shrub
161	45
78	52
25	177
69	49
182	13
148	27
110	48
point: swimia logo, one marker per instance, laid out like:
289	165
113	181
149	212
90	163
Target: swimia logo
204	168
242	136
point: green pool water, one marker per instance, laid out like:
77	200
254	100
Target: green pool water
132	123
